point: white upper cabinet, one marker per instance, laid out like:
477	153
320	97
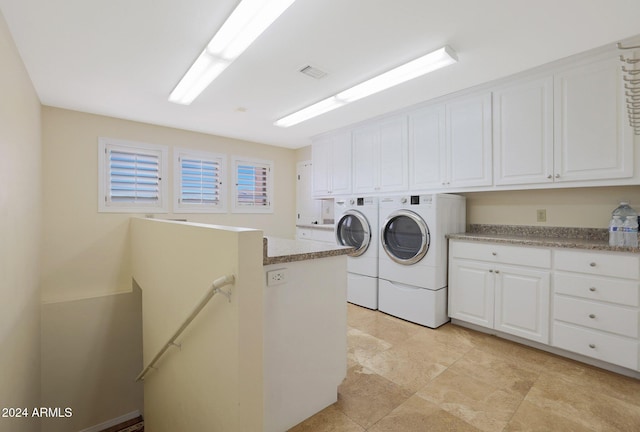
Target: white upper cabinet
332	164
365	142
523	132
592	138
427	148
564	127
468	141
380	156
450	144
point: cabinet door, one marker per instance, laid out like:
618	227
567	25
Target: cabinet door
365	158
308	210
522	302
393	156
427	155
340	167
468	126
523	132
471	292
320	153
592	139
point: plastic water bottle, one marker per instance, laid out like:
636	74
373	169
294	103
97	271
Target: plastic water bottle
630	231
615	232
629	218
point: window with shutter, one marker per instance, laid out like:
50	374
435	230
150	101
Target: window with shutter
253	186
131	177
199	182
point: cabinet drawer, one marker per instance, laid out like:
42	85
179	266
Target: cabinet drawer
304	233
621	291
609	348
599	316
526	256
612	264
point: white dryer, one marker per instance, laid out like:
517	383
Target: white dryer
357	226
413	267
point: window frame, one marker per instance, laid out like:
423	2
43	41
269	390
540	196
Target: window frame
221	159
236	206
105	205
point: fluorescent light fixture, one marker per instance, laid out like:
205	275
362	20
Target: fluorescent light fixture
415	68
245	24
314	110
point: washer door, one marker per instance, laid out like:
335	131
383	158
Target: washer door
353	230
405	237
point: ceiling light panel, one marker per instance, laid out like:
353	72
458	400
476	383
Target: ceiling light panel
428	63
245	24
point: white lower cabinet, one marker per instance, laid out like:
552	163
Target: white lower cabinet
596	305
499	287
522	302
594	308
471	291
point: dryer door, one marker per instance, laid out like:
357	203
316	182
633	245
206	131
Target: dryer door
354	230
405	237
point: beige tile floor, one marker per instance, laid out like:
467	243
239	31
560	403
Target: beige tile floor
404	377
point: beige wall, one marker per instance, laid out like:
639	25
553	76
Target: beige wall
20	236
579	207
85	252
91	354
303	154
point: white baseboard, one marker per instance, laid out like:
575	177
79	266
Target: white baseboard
112	422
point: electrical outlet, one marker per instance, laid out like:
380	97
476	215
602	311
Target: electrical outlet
541	215
276	277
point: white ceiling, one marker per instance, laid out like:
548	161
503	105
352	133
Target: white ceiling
122	58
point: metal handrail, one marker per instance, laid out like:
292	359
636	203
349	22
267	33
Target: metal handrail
216	288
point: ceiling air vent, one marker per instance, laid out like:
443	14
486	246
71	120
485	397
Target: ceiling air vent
313	72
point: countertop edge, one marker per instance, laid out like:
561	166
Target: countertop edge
323	227
325	252
566	243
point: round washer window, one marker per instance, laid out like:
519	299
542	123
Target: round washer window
405	237
353	230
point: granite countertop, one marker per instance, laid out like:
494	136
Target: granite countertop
278	250
559	237
327	227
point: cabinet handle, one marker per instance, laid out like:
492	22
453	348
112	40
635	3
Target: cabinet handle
497	271
592	289
592	316
592	264
490	271
494	253
557	175
592	346
549	176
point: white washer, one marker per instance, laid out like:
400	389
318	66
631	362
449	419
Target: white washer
413	262
357	226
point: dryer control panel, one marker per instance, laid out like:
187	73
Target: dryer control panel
420	199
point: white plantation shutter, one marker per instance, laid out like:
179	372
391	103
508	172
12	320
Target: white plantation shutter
131	177
252	186
199	185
